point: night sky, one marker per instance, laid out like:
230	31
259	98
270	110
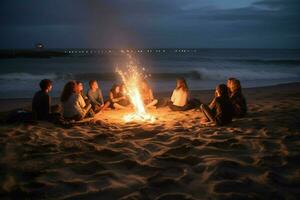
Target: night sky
150	23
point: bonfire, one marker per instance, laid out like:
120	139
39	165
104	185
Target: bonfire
131	78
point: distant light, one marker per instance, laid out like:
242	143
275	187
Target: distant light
39	46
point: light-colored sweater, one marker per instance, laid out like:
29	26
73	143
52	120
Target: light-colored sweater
179	97
74	106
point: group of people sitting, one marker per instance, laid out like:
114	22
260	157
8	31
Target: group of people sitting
228	103
75	105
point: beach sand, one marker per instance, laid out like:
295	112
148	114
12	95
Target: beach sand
257	157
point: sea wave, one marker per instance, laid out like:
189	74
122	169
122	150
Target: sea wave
22	76
244	74
262	61
197	74
268	61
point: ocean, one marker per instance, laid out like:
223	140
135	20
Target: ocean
202	68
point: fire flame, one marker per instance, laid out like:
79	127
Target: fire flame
131	79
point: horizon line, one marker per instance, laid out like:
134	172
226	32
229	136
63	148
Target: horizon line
135	48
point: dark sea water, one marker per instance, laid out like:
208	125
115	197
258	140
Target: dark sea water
203	69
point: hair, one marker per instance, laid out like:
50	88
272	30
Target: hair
113	88
231	79
144	83
69	89
223	90
45	84
122	87
236	86
91	82
81	92
182	84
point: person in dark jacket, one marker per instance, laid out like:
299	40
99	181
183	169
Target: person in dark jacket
220	111
41	102
237	98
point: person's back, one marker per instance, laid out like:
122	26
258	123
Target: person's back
224	111
239	104
236	97
41	102
41	105
179	97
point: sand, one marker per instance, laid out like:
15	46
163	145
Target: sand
257	157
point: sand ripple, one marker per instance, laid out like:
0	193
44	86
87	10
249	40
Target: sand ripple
175	158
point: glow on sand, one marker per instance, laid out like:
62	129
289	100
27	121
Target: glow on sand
131	79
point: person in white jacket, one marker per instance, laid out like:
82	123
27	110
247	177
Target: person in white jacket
180	99
180	96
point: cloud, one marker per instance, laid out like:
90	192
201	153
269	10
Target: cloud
157	23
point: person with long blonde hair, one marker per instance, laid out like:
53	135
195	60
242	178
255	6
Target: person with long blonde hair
237	98
180	97
147	94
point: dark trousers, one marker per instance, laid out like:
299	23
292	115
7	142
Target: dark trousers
176	108
193	103
207	112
